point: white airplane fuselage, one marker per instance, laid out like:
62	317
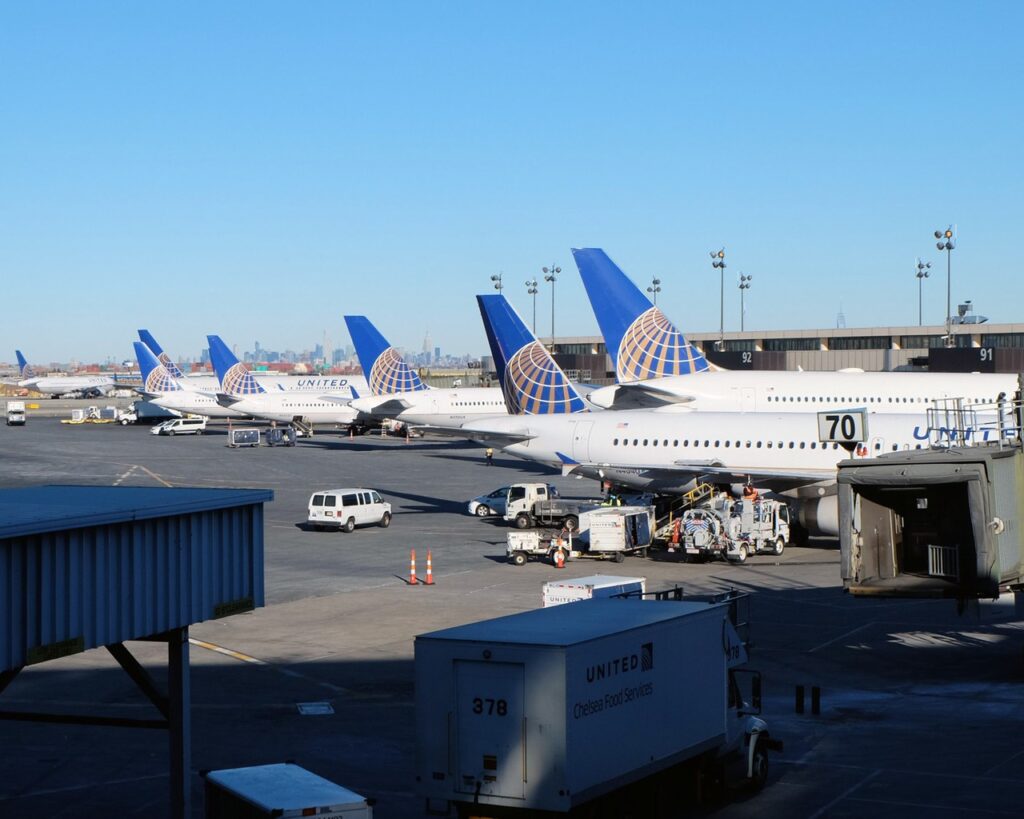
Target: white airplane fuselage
287	406
782	391
62	384
442	407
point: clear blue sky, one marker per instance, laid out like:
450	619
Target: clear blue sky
260	169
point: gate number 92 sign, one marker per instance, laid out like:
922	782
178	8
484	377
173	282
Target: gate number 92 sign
843	426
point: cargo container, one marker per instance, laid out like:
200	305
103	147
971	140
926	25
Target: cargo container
281	790
564	706
556	592
618	530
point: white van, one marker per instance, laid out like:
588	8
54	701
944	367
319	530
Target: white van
181	426
346	509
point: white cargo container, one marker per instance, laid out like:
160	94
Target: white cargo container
556	592
617	530
279	790
559	706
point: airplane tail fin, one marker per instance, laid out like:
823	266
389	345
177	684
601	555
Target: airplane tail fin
23	366
531	381
642	342
234	378
155	376
386	372
147	338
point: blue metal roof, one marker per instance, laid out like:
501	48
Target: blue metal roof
39	509
87	566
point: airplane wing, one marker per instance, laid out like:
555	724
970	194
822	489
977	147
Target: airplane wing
644	396
393	406
499	439
777	480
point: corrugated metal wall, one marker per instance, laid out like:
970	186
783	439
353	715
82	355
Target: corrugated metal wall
65	591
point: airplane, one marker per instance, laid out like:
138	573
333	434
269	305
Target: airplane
164	390
654	365
340	384
669	450
399	393
57	385
241	392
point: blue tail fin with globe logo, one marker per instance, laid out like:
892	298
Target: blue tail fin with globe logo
385	370
234	378
147	338
156	378
24	367
642	342
531	381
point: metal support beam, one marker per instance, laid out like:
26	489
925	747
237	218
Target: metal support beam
180	704
139	676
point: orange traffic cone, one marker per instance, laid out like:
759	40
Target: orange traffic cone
559	559
430	570
412	567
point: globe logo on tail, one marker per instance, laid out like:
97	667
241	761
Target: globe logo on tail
159	380
239	381
653	348
172	368
391	374
536	385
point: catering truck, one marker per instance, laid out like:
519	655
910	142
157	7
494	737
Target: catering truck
531	504
567	706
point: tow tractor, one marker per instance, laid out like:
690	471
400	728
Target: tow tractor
606	533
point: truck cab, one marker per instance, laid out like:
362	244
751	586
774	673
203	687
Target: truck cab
521	500
15	413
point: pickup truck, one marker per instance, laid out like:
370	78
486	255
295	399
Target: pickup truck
531	504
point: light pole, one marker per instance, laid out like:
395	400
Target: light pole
922	274
655	289
718	262
744	285
496	278
549	276
531	288
947	242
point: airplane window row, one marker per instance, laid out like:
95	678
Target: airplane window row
741	444
856	400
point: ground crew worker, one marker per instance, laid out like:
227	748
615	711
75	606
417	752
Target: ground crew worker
750	492
489	454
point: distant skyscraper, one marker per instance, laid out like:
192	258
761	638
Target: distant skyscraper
427	343
437	354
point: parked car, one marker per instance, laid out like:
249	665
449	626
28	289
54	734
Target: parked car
181	426
345	509
494	503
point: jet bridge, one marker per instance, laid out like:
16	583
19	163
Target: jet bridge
85	567
940	522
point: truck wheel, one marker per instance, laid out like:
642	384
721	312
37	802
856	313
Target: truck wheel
385	520
349	525
780	546
523	521
572	523
124	422
759	766
741	554
482	511
619	557
519	558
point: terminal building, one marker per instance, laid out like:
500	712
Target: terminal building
976	348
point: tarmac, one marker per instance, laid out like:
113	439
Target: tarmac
920	705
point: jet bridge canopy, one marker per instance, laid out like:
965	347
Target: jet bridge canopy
83	567
933	523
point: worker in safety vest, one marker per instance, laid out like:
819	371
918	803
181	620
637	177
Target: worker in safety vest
750	492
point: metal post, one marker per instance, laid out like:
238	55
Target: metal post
550	276
531	289
179	721
718	261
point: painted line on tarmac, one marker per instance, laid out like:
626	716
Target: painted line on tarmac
84	786
125	475
155	477
245	658
824	811
842	636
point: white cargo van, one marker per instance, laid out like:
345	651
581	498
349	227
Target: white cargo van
181	426
345	509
